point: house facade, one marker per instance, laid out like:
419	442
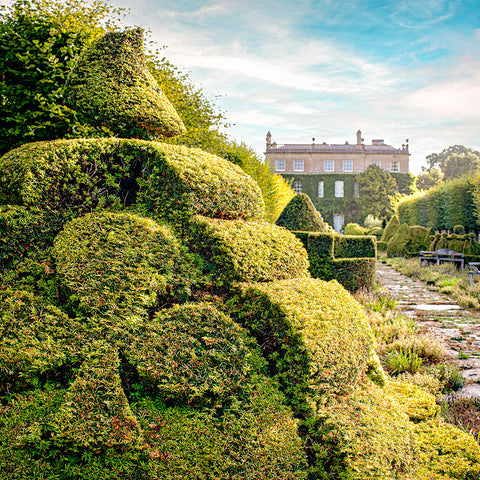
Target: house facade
326	172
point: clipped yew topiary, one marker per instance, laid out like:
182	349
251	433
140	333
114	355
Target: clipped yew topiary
300	214
173	182
118	264
237	250
355	229
191	354
397	245
301	325
112	86
390	229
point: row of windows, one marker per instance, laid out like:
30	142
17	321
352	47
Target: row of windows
329	165
339	188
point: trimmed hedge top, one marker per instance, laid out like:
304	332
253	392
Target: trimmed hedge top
112	86
175	182
236	250
301	214
117	264
314	334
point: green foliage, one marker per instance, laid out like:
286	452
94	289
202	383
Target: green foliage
364	436
458	165
301	325
39	43
405	182
397	245
459	229
419	239
429	179
329	205
38	342
355	229
391	228
438	160
240	251
376	188
399	361
191	354
341	257
164	180
111	86
118	264
25	230
95	414
300	214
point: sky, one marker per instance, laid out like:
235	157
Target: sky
300	69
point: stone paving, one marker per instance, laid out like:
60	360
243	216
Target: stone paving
441	317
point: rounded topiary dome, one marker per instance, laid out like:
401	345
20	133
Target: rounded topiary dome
300	214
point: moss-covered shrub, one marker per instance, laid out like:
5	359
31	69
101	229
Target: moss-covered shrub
355	229
191	354
111	86
38	342
237	250
77	176
397	245
390	229
25	230
377	232
301	325
300	214
118	264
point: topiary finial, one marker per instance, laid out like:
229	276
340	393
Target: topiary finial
112	87
300	214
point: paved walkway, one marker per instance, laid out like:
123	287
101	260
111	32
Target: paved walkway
439	316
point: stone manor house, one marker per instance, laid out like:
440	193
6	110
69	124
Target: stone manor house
326	172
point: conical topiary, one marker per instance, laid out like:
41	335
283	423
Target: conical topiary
301	215
398	243
112	87
392	226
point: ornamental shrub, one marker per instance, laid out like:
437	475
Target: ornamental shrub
392	226
191	354
300	214
111	86
118	264
174	182
349	246
355	229
242	251
24	230
397	245
301	325
459	229
419	239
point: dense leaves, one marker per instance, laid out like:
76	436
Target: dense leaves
300	214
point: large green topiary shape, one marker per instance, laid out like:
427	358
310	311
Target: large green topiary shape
300	214
111	86
391	228
397	245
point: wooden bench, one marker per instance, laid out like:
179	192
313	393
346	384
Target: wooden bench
474	270
442	255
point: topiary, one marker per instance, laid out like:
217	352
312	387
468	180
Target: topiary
397	245
300	214
118	265
240	251
355	229
392	226
459	229
111	86
419	239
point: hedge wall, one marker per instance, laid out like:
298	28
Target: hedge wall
349	259
168	181
301	325
237	250
444	206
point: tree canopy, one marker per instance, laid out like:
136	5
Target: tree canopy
376	189
459	164
438	160
429	179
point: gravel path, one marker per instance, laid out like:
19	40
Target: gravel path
439	316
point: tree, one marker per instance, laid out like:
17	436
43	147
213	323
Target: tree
376	189
39	43
437	160
457	165
429	179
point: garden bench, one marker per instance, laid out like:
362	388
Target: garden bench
442	255
474	270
